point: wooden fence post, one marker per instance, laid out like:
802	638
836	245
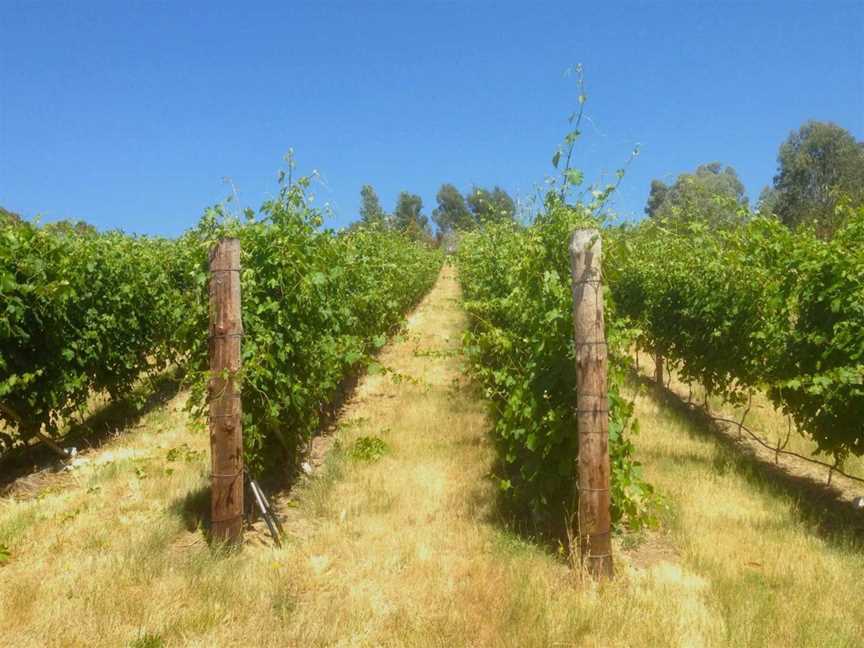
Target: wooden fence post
595	542
226	432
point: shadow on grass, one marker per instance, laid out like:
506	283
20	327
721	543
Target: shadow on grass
282	474
518	526
820	506
194	509
547	532
118	416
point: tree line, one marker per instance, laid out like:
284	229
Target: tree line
820	168
454	211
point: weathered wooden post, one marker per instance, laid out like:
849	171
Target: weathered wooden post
658	370
226	432
595	542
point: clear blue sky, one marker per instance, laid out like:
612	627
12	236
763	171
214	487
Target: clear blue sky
130	114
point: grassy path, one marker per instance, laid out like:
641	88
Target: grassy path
408	550
761	566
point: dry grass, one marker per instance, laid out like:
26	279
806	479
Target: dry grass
772	426
770	573
408	550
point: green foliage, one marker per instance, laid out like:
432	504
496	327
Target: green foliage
148	640
7	216
570	177
517	290
767	203
5	554
409	218
71	228
82	313
819	166
518	295
489	206
316	305
368	449
755	307
712	194
185	453
571	180
820	377
371	213
478	206
452	212
656	197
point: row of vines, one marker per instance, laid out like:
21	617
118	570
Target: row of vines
752	306
755	307
85	314
82	314
517	290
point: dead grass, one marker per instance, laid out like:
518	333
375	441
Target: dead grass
408	549
772	575
772	426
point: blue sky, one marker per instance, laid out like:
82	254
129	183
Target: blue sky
131	114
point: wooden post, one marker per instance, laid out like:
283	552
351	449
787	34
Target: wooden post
226	433
595	543
658	370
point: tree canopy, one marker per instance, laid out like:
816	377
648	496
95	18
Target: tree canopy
712	193
819	165
767	203
371	212
452	212
68	227
409	218
9	216
455	211
495	205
